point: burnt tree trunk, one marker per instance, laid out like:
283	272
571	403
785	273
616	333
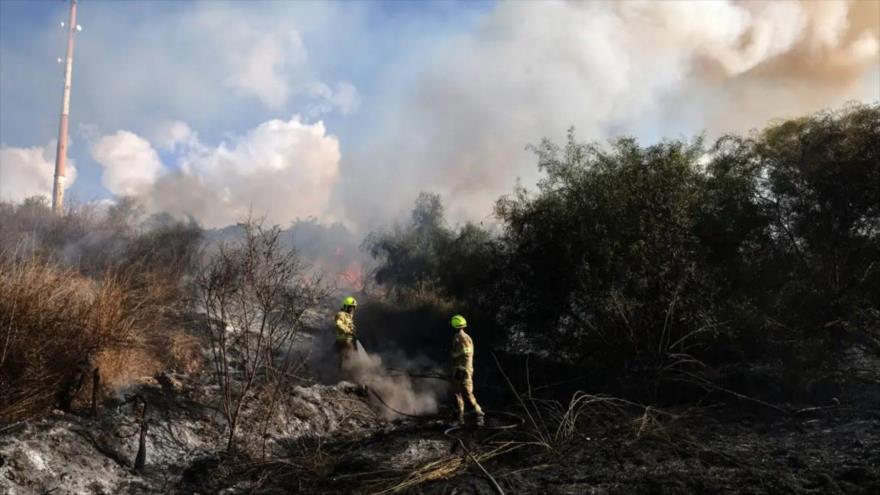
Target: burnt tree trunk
71	386
96	382
141	458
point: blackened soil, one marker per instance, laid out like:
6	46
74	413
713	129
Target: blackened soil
697	451
834	454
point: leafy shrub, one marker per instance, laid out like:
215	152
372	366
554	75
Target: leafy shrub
632	258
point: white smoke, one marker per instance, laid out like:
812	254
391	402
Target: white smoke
26	172
452	112
169	134
654	69
269	61
131	165
280	169
396	390
343	97
260	68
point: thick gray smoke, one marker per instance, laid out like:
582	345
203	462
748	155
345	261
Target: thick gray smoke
453	115
458	125
397	390
281	170
386	373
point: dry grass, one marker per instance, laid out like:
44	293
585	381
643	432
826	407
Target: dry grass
86	290
183	351
119	367
317	463
57	325
553	425
440	469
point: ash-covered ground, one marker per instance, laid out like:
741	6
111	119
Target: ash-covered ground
338	438
334	442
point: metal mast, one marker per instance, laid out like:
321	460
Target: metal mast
61	153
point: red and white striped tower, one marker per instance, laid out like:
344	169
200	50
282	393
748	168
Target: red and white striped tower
61	153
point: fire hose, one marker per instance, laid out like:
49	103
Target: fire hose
449	432
517	420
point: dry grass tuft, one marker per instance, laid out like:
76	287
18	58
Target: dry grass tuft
554	425
184	351
119	367
444	468
57	325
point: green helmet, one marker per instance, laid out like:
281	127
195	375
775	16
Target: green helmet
349	301
458	321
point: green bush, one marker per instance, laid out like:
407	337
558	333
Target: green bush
763	247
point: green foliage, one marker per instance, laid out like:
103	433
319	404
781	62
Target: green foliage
410	254
763	246
820	187
606	250
426	255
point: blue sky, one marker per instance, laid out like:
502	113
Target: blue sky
346	110
350	42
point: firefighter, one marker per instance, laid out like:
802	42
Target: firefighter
463	369
346	338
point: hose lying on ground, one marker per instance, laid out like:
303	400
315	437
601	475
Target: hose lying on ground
432	375
517	421
448	432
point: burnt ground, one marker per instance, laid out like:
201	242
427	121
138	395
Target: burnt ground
832	454
700	451
723	449
329	439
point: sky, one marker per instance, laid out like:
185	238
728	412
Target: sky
345	111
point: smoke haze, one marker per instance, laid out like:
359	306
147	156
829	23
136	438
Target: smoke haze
380	371
653	69
280	169
398	391
26	172
450	111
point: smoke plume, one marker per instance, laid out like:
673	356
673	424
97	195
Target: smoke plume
453	111
26	172
459	124
280	169
396	390
384	372
131	165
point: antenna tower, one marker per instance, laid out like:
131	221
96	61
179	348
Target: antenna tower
61	153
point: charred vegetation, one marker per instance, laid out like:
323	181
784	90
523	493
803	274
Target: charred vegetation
671	318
